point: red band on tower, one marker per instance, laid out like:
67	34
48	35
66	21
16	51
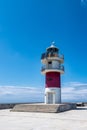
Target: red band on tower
52	80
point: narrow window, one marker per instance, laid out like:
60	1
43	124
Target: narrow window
49	62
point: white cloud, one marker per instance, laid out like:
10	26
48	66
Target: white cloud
71	91
19	94
15	90
74	91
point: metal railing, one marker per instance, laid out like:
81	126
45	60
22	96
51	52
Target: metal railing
49	55
57	68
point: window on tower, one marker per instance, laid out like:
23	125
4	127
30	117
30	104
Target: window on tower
50	62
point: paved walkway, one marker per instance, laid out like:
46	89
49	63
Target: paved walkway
70	120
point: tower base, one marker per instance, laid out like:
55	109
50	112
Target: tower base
45	108
52	95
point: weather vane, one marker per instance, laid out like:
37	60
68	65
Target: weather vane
52	43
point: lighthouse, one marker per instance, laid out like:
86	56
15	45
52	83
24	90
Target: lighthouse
52	69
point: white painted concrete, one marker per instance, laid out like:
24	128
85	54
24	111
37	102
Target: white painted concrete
56	95
70	120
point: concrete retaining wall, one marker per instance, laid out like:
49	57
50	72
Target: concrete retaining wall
12	105
45	108
9	105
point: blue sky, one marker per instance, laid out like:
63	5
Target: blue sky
27	27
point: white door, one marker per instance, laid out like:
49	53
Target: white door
51	98
49	65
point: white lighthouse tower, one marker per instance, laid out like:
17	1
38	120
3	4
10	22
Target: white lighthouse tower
52	69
